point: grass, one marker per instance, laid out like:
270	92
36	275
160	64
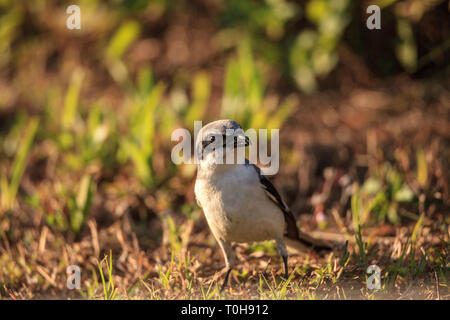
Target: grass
182	278
109	290
183	263
9	188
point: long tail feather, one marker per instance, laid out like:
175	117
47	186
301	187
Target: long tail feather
305	242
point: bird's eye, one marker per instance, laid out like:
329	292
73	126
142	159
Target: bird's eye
213	138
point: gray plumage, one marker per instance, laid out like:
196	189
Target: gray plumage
240	204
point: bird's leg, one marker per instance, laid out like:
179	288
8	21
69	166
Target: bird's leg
229	260
285	261
284	255
225	280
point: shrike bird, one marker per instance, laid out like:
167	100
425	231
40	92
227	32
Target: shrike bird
241	204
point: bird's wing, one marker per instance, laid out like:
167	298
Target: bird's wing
292	232
272	193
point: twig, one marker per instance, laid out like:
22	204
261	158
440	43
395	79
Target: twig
43	239
436	277
94	237
46	276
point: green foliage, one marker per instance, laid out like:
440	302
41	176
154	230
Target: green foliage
244	94
92	286
109	290
9	188
313	53
277	291
122	39
138	143
84	141
362	247
422	168
380	197
10	23
71	101
345	256
268	247
397	269
201	88
174	236
210	292
242	275
126	34
80	206
166	277
305	54
406	48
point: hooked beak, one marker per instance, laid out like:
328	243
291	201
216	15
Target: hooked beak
241	140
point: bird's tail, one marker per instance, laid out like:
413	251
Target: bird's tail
305	242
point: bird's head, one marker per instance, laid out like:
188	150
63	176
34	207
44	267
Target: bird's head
218	138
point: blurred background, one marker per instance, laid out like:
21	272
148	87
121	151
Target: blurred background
86	117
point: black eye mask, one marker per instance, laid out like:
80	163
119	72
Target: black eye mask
208	142
224	139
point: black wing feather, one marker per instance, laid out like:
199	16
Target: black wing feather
272	193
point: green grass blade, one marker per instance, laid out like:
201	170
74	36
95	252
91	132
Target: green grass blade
122	39
71	100
19	163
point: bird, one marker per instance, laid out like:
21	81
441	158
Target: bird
240	204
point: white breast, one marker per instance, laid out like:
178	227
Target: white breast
237	208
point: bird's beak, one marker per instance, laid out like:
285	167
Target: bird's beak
241	140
